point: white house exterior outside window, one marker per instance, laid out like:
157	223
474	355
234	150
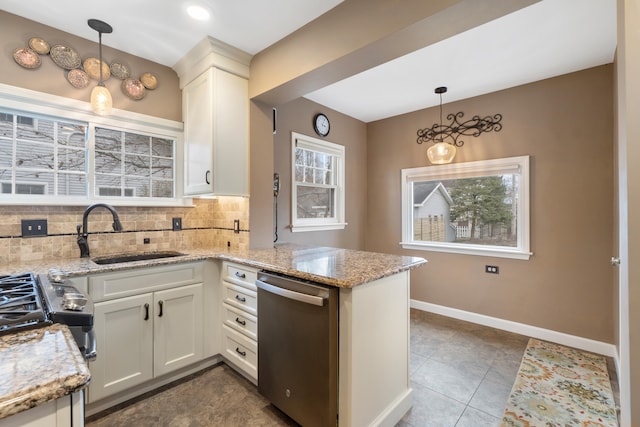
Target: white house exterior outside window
474	208
317	191
53	150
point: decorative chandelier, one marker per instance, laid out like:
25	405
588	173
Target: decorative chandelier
101	102
442	152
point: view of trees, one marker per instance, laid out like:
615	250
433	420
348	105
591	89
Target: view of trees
483	202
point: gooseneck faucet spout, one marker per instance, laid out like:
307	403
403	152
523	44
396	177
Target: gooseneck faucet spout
83	233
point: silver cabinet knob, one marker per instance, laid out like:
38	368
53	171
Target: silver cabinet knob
615	261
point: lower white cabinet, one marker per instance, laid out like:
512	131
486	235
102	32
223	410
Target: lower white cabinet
144	336
66	411
240	318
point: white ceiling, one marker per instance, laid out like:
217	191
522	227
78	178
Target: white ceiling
547	39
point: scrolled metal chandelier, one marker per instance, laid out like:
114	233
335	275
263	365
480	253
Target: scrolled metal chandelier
447	138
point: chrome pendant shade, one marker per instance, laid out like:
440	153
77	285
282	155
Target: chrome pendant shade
101	101
443	152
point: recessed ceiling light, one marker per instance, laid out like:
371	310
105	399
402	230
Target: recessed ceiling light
198	12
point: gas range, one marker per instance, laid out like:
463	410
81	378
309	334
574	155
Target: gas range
21	305
29	301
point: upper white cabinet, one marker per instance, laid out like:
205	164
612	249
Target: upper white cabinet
215	111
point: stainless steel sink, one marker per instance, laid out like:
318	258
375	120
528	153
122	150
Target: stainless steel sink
117	259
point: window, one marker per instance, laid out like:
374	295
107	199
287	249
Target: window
130	164
317	192
46	156
79	158
476	208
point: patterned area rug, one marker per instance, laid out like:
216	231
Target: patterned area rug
558	386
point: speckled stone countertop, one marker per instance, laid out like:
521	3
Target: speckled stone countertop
39	365
344	268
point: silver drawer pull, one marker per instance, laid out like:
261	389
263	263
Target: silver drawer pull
241	299
240	352
241	275
241	322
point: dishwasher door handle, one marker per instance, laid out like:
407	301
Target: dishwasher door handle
297	296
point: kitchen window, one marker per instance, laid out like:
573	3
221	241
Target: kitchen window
54	150
46	160
474	208
130	164
317	191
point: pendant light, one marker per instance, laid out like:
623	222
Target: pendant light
101	102
441	152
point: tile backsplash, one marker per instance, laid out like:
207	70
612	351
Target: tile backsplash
208	224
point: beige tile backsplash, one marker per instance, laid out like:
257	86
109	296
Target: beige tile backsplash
208	224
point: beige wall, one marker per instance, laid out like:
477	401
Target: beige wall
15	31
565	125
297	116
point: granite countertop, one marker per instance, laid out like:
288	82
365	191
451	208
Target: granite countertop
32	373
343	268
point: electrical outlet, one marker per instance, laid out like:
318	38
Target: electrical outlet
34	227
177	224
493	269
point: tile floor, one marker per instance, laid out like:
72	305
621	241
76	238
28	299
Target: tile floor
461	375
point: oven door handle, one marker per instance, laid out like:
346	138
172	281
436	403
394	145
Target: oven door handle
297	296
91	353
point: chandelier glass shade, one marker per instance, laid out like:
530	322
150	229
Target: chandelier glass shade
101	101
441	153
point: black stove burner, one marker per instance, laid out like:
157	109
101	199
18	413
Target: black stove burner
20	303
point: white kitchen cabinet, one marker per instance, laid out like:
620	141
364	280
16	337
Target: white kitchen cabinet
240	318
177	326
148	322
124	333
67	411
215	110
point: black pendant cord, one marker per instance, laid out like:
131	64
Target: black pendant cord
100	65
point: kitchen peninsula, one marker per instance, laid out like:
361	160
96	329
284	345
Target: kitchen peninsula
373	356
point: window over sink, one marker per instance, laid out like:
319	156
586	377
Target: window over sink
52	152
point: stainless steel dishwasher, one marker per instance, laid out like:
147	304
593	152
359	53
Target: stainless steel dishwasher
298	348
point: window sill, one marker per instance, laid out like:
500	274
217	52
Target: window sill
318	227
498	252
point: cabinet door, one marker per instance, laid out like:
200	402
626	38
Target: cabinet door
215	110
124	335
178	328
230	134
197	113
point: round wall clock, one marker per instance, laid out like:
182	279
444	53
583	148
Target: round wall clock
321	124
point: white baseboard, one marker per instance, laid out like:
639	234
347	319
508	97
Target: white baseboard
586	344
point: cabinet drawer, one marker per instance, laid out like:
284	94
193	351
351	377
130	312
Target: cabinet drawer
240	297
240	275
241	351
241	321
121	284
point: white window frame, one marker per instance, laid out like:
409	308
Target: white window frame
338	152
38	103
466	170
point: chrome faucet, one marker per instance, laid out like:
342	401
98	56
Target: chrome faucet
83	233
